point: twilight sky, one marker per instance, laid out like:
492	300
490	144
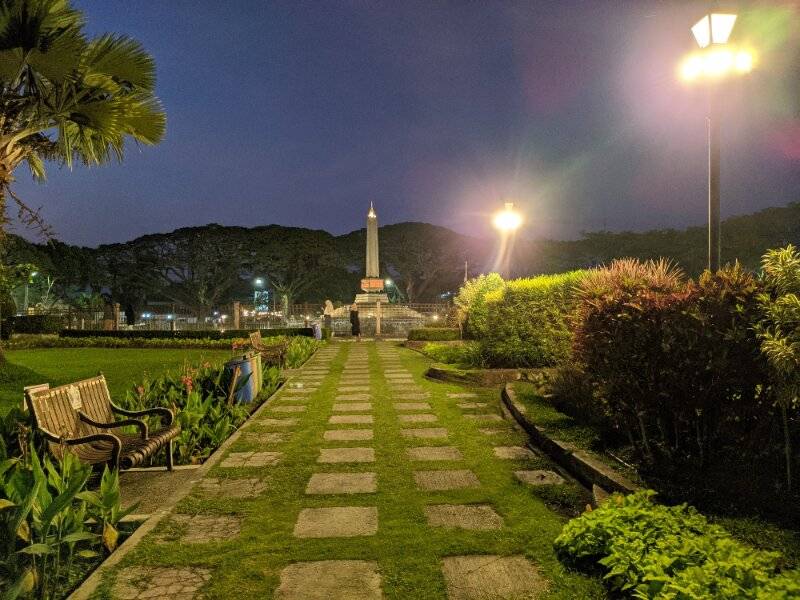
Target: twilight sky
301	112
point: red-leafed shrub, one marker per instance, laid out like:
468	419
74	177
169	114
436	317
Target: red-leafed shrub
674	364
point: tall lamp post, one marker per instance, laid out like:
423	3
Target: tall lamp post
506	221
714	63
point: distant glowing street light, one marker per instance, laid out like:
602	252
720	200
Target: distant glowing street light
507	220
388	282
258	282
715	61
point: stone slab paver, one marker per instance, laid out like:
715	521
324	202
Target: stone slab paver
353	397
487	577
293	399
425	433
330	580
539	477
412	406
337	521
200	529
350	419
513	453
480	517
420	418
434	453
354	388
160	583
462	395
288	409
287	422
468	405
232	487
251	459
445	480
346	455
493	430
412	395
484	418
342	483
345	435
352	407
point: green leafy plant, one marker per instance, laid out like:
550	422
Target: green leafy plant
466	355
47	525
105	507
648	551
780	334
471	306
299	350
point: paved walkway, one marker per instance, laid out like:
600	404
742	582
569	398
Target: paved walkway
362	480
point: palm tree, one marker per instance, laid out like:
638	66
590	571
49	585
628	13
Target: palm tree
65	97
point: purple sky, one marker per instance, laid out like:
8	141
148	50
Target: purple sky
302	112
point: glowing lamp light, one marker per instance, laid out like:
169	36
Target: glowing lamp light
508	219
717	64
258	282
388	282
715	28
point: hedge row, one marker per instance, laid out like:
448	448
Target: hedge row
206	334
434	334
526	321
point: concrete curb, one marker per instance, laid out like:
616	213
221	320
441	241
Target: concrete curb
91	583
584	467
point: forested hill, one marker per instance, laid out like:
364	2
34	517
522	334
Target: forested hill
203	267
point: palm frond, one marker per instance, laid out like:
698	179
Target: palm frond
121	58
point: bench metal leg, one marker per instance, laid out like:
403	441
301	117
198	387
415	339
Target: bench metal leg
169	455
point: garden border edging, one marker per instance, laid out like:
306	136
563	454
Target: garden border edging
579	463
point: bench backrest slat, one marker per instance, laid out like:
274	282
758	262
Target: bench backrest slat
53	411
96	401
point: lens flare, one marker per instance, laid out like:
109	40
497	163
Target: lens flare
716	64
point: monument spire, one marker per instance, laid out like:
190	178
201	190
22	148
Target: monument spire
373	270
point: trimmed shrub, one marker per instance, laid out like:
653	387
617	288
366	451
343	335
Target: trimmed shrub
471	306
434	334
210	334
33	324
675	365
651	551
527	321
467	355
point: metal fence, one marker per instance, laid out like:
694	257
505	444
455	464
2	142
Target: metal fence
395	318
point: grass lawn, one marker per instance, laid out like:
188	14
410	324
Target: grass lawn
247	563
121	366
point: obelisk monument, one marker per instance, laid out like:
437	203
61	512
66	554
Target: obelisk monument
372	283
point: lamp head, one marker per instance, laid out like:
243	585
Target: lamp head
507	220
713	28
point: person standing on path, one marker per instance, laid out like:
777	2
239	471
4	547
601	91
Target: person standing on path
355	323
327	313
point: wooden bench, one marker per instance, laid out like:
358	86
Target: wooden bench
80	418
273	354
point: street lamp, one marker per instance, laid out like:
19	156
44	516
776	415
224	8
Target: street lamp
27	282
258	282
506	221
715	62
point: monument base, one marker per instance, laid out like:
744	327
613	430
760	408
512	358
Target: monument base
372	298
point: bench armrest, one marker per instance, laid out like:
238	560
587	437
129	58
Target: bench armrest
166	414
140	425
95	437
